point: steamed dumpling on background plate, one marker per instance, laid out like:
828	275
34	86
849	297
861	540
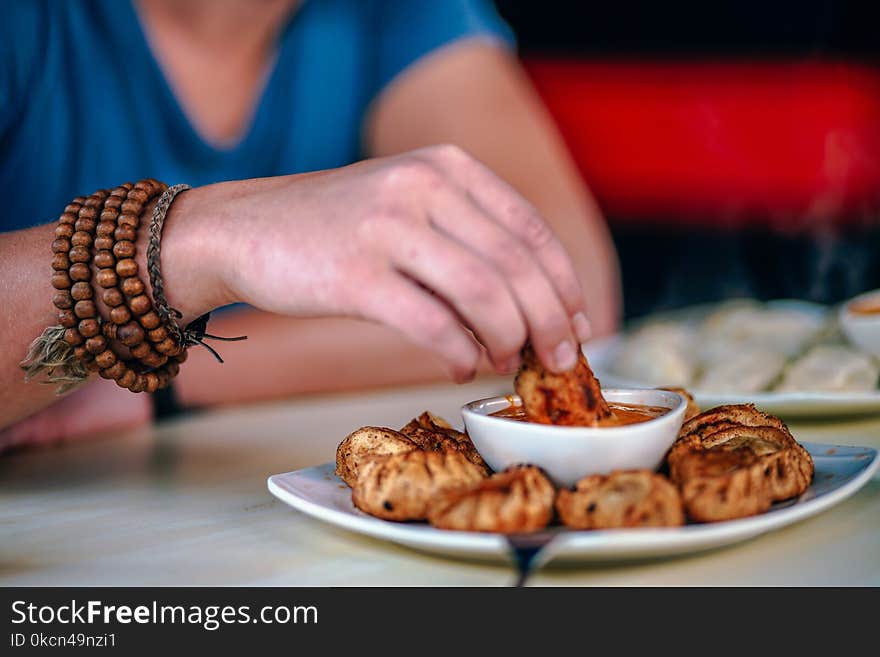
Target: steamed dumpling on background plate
743	347
745	324
750	370
658	354
831	368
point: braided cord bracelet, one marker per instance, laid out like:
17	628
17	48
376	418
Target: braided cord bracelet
195	331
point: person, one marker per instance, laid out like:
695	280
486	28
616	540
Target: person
362	171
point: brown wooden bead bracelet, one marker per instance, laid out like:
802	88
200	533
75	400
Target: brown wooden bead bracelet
102	229
77	311
128	302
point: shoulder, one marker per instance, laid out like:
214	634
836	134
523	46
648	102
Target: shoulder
437	20
410	29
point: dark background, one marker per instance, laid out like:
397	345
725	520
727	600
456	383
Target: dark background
730	28
667	265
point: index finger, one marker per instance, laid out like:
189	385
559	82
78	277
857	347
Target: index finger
507	206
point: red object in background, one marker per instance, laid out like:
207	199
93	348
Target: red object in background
790	143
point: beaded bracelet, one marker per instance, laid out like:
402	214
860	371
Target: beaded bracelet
73	297
129	305
101	229
119	217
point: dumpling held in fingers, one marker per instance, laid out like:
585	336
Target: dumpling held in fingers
571	398
519	499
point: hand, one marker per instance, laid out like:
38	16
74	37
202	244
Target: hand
430	242
95	408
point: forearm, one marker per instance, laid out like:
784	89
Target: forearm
26	296
367	241
285	356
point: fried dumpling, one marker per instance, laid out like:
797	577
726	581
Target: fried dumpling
632	498
693	409
400	486
571	398
735	461
366	443
519	499
433	433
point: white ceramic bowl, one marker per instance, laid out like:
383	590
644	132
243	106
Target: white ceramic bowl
863	330
569	453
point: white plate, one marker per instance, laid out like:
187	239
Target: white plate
602	352
840	472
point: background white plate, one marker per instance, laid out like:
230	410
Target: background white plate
602	352
840	472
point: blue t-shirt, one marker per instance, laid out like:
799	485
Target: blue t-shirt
84	104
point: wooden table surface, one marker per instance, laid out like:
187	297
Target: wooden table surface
185	503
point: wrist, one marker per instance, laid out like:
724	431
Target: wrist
193	254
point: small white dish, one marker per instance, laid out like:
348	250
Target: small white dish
862	328
567	454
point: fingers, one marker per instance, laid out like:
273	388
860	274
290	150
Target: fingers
94	408
473	288
517	215
424	320
547	321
